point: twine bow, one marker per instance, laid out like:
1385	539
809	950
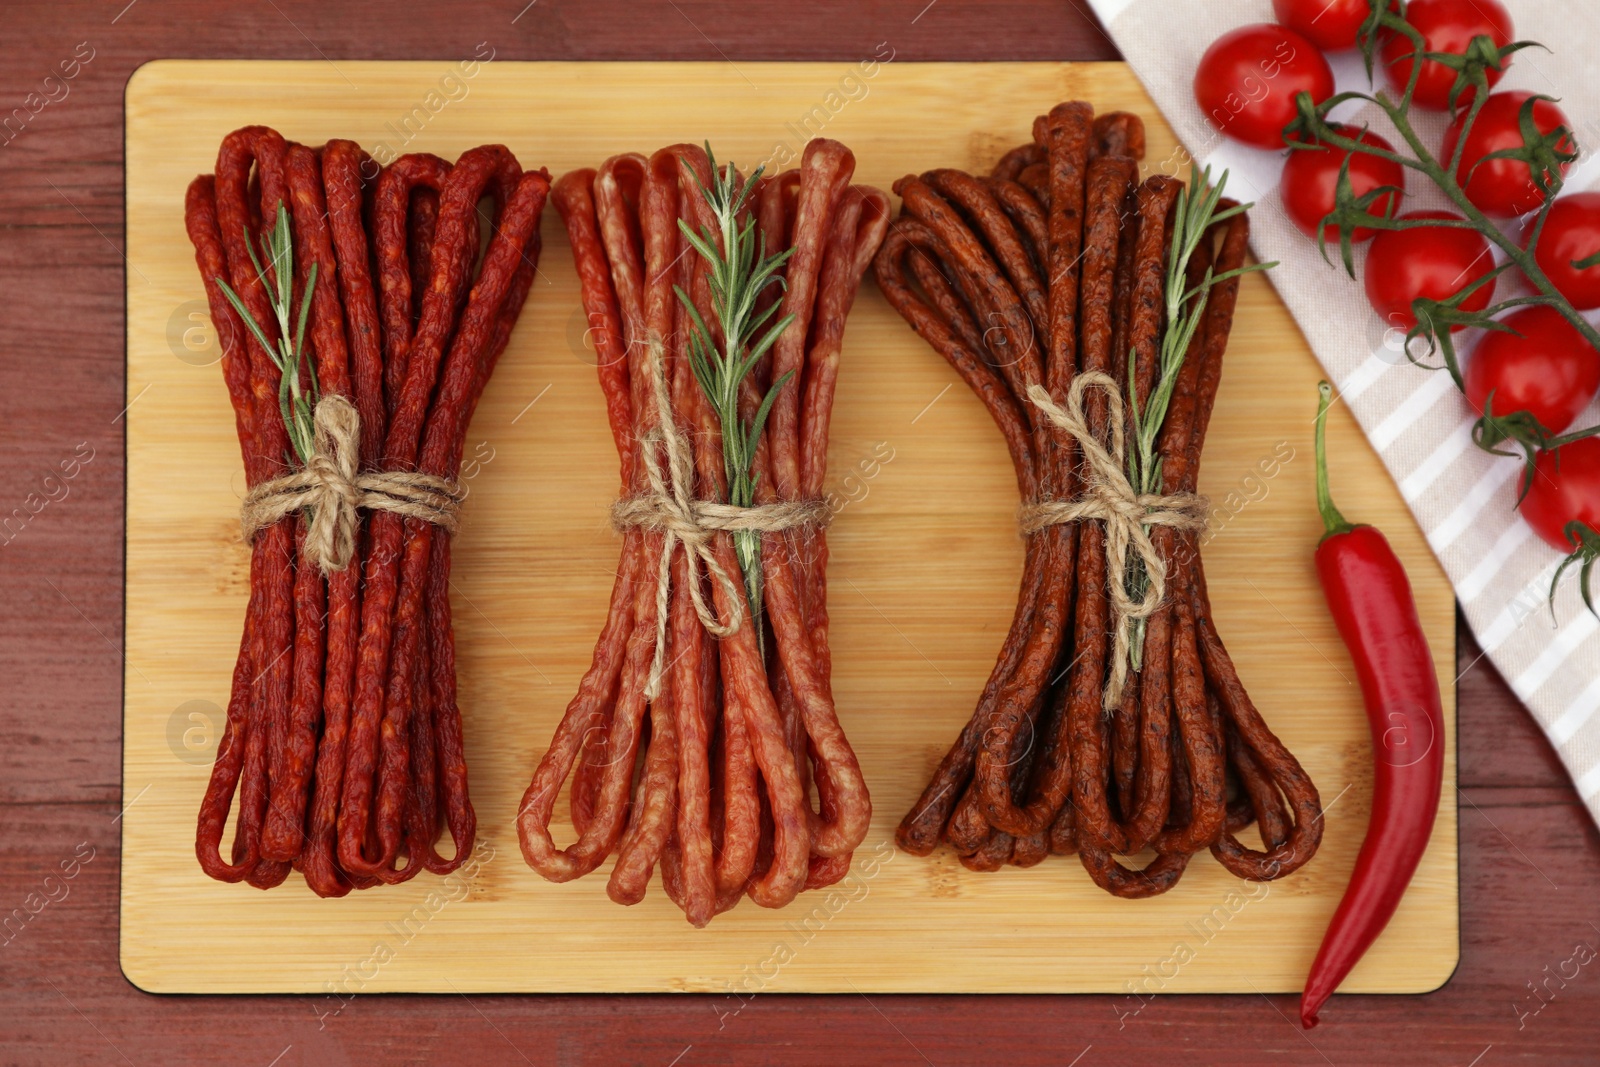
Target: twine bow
670	507
329	487
1109	497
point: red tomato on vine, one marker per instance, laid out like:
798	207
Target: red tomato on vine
1431	262
1546	368
1503	187
1563	504
1248	80
1331	25
1572	234
1446	26
1311	176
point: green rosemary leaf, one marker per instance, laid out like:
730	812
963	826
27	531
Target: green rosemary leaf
282	251
1248	268
760	348
760	420
702	245
261	272
244	314
305	313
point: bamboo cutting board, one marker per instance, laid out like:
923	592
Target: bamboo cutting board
925	560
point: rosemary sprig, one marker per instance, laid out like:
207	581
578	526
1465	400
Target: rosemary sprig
295	400
737	276
1198	209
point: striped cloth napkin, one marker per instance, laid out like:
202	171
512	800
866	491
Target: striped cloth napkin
1416	419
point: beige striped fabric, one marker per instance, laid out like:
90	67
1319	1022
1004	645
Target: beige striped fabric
1462	497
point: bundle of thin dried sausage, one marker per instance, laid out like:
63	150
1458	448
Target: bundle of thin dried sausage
359	322
706	720
1113	722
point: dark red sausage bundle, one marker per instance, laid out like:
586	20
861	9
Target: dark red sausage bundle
712	777
343	739
1050	270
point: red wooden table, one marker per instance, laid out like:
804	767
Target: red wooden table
1530	865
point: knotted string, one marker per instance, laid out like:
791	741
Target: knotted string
1109	497
331	489
670	507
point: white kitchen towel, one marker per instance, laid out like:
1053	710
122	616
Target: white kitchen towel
1462	496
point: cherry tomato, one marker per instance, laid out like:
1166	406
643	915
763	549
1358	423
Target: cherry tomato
1501	187
1571	233
1311	175
1248	80
1429	261
1446	26
1331	25
1547	368
1565	488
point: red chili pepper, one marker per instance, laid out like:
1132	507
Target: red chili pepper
1371	602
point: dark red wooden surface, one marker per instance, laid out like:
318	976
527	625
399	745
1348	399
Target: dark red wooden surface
1530	865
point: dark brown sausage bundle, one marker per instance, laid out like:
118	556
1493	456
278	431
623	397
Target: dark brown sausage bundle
707	769
1054	267
343	740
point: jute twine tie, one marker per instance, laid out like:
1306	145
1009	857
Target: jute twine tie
670	507
331	488
1109	497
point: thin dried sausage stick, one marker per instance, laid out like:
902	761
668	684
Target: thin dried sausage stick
689	700
596	690
1035	178
1067	130
1154	199
640	847
200	219
398	300
1201	743
1028	216
825	170
1008	166
343	189
619	231
775	199
573	197
1009	335
949	305
390	621
991	855
1285	771
424	218
237	211
994	226
1161	875
283	832
920	829
745	684
803	666
1118	133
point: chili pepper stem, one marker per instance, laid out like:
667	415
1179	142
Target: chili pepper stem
1333	522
